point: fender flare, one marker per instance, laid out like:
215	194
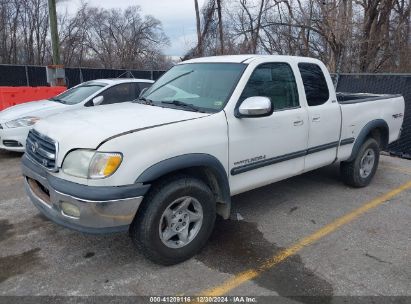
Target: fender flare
365	131
188	161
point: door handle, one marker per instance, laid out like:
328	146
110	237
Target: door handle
316	118
298	122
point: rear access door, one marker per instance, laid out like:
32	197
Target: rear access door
324	116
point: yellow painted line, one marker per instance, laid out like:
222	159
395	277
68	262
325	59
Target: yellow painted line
399	169
251	274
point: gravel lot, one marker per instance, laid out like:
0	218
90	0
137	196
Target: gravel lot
368	256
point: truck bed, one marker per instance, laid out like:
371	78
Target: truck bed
350	98
358	109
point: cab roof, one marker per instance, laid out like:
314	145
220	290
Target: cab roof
247	58
111	81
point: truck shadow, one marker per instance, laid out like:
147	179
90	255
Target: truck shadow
287	190
18	264
237	246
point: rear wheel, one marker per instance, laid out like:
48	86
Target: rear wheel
175	220
360	171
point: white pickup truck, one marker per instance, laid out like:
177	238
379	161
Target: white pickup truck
163	167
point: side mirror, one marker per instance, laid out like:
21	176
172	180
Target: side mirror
256	106
98	100
142	92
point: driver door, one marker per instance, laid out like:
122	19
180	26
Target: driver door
263	150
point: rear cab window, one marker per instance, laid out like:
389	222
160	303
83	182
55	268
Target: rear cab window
315	85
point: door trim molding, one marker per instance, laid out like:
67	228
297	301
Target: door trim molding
322	147
289	156
347	141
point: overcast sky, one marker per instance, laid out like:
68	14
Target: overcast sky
177	17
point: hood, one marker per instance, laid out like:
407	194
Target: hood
87	128
41	108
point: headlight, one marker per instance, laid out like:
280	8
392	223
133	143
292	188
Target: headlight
78	162
22	122
91	164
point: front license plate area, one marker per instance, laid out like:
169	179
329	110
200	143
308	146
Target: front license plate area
40	191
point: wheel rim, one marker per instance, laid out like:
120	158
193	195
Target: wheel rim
367	163
181	222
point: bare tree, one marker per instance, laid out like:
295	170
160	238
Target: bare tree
205	40
362	35
92	37
349	36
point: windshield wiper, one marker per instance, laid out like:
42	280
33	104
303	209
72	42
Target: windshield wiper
143	100
58	100
182	104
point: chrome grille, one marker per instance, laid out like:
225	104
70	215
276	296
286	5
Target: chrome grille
41	149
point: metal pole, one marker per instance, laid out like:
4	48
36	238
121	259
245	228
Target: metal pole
27	75
53	32
338	69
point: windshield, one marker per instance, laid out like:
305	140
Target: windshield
79	93
196	86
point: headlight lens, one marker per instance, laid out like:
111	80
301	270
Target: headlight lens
78	162
22	122
91	164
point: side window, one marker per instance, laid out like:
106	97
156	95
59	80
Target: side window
120	93
315	85
276	81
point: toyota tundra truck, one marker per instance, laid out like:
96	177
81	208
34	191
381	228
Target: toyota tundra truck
164	166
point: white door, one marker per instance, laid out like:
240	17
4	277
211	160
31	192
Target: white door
324	117
263	150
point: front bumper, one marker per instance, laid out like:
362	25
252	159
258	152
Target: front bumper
101	209
18	135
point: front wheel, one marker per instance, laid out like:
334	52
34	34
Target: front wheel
175	220
359	172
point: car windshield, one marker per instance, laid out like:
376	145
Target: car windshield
79	93
204	87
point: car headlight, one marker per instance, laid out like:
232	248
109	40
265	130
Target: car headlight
91	164
22	122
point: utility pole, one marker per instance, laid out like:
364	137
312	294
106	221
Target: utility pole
53	32
55	72
199	37
220	27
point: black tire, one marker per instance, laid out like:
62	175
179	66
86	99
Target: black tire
350	171
145	228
